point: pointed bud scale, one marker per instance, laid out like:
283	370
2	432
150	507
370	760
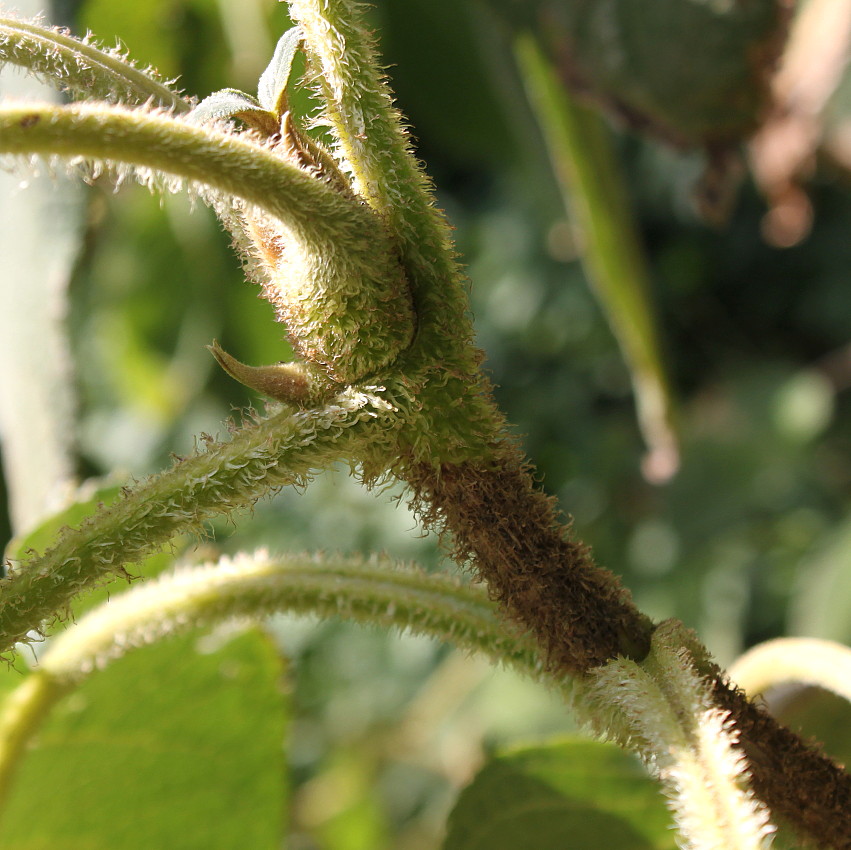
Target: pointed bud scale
291	383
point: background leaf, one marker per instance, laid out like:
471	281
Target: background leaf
178	745
574	794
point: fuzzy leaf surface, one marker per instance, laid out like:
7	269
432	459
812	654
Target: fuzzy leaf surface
272	87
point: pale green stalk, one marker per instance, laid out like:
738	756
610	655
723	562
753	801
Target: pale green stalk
374	592
23	713
807	661
80	67
589	175
318	216
661	707
283	449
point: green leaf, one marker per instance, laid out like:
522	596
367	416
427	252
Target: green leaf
821	603
272	87
232	103
692	72
173	746
570	794
594	190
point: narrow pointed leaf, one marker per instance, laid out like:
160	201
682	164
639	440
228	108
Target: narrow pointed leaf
590	181
273	82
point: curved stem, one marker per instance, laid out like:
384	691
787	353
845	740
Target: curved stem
810	661
226	163
365	592
24	710
376	149
376	591
280	450
80	67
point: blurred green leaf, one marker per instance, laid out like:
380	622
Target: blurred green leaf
594	190
820	714
693	72
821	604
572	794
148	29
173	746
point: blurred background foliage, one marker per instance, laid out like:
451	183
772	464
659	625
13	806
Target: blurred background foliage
750	540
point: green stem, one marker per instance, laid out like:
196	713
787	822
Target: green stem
24	710
81	67
373	592
228	164
591	181
374	146
271	453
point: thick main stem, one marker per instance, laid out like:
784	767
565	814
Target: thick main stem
508	532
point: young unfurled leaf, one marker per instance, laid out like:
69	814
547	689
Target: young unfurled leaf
232	103
272	87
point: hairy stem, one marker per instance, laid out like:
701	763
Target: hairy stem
81	68
375	592
320	217
663	708
374	147
283	449
582	617
508	531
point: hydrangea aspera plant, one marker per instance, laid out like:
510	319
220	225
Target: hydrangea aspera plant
347	243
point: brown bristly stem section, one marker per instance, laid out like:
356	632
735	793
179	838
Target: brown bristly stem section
796	781
509	531
509	534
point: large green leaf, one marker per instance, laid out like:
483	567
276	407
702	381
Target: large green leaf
174	746
571	795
